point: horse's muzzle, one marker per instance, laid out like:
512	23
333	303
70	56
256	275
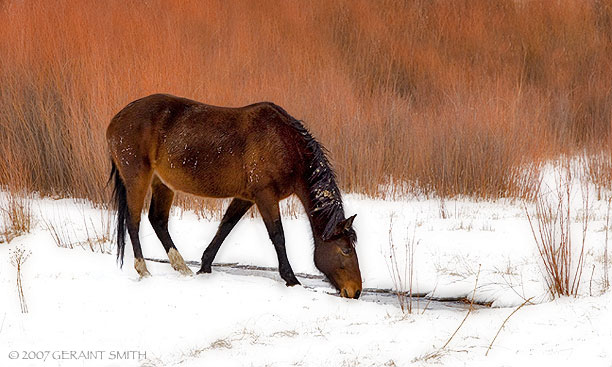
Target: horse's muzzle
350	293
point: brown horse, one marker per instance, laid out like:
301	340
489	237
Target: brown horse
257	154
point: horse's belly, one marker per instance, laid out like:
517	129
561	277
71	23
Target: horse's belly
201	179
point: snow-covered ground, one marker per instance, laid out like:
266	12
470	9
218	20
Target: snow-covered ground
83	309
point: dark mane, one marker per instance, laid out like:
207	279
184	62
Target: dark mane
324	193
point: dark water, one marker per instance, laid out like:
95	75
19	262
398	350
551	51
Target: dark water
418	302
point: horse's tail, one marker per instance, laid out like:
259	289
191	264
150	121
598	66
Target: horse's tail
120	201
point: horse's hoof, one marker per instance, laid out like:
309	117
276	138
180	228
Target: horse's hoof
141	268
292	282
185	271
177	262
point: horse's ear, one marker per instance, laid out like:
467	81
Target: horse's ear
341	228
348	223
345	225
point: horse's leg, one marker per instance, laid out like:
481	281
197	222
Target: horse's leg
271	215
232	215
159	211
136	188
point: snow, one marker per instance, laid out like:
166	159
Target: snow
80	301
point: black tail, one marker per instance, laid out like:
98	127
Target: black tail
120	200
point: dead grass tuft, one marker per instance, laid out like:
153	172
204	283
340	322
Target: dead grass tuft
401	268
18	258
551	224
15	216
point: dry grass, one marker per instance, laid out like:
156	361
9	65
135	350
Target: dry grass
18	258
401	268
468	313
439	97
94	235
598	167
606	278
15	216
504	324
551	225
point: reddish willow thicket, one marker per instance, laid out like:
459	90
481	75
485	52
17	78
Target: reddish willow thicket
437	97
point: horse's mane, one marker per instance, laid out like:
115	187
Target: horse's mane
323	190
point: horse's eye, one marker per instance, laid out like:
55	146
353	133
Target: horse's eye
346	251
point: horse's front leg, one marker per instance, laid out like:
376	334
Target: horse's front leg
232	215
271	215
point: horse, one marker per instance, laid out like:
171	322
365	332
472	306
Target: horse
256	155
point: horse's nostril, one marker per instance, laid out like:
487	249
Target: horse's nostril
358	293
345	292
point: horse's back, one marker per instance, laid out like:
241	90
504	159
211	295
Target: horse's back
207	150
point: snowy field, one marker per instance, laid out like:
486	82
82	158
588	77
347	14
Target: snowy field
85	311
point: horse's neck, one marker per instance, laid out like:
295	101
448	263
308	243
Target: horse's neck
318	219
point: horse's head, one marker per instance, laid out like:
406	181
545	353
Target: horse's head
335	257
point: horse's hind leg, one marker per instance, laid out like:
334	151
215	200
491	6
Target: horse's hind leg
232	215
136	187
159	211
